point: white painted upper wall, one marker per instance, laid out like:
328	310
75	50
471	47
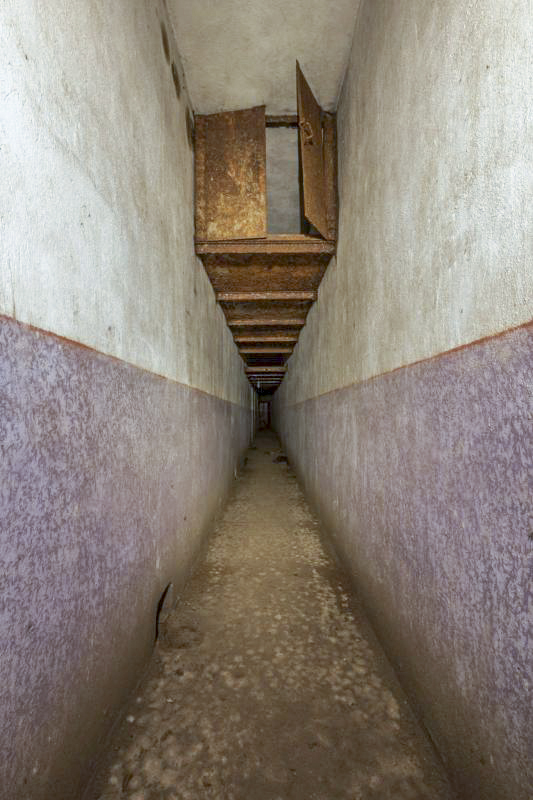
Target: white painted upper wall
242	53
436	185
96	196
283	188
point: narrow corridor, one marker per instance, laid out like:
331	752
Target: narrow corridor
267	683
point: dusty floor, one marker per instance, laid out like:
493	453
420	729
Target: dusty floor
266	683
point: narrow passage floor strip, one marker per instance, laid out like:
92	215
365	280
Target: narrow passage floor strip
267	683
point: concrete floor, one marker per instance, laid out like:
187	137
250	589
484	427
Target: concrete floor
267	683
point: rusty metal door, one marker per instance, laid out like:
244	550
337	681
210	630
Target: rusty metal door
311	155
230	175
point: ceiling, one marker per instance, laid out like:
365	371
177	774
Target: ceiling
242	53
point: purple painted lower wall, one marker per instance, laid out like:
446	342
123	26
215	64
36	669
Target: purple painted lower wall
424	479
109	480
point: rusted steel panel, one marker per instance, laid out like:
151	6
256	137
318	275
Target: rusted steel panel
266	322
311	154
265	350
230	175
273	244
265	360
260	334
268	337
250	260
243	297
263	308
276	277
329	127
260	370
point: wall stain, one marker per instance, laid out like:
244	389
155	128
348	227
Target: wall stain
176	79
164	39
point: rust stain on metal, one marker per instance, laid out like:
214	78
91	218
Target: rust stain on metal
259	334
262	308
231	175
272	337
254	278
261	350
266	322
243	297
261	370
286	260
272	244
290	308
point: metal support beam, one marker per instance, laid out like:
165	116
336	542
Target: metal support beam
250	297
259	338
274	350
267	322
264	370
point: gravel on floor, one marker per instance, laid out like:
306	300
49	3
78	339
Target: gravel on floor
266	682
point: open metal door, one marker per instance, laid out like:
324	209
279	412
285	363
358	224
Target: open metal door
311	155
230	175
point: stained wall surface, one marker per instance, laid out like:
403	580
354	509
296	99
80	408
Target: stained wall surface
124	408
407	406
96	191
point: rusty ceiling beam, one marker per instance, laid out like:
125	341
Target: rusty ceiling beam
274	350
256	277
246	338
272	245
267	322
265	370
259	334
294	308
249	297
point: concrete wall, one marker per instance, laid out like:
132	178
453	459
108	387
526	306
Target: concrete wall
97	188
242	53
418	454
435	181
123	403
283	192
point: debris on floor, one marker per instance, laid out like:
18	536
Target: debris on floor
267	683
